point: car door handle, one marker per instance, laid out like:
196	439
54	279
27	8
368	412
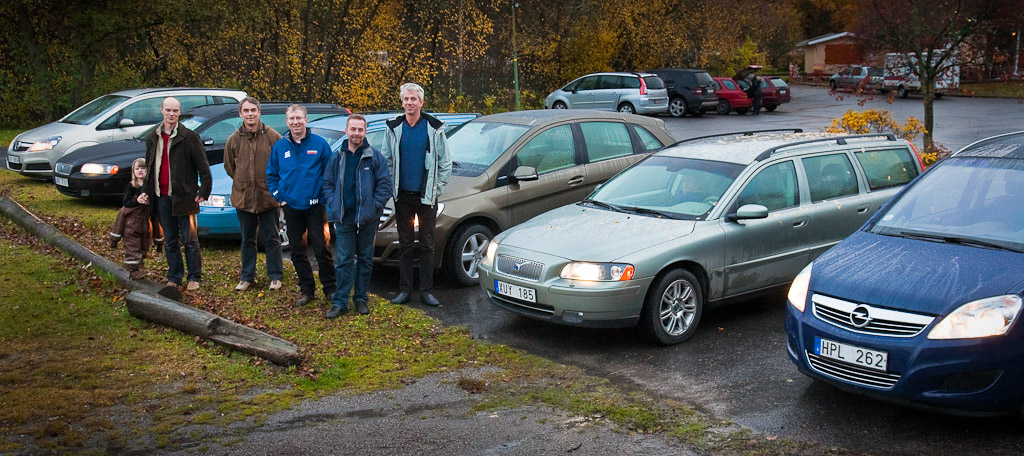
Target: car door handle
799	222
863	209
576	181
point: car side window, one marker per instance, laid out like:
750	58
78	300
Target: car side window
609	82
275	121
830	176
729	84
887	168
192	101
220	131
632	82
142	112
588	83
606	140
647	139
549	151
774	187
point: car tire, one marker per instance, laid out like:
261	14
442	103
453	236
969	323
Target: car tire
902	92
677	107
559	105
465	253
771	108
627	108
723	107
672	308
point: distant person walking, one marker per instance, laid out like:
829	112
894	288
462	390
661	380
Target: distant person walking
175	161
245	159
357	185
755	94
295	174
416	149
136	223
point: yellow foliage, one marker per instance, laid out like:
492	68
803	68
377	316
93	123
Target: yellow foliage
876	121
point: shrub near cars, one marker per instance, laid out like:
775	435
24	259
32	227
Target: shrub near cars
509	167
699	223
112	117
920	306
630	93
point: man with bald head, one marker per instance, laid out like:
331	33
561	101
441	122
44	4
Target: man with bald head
175	161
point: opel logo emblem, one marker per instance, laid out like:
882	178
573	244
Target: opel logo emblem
860	317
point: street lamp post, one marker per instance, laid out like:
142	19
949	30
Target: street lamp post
515	58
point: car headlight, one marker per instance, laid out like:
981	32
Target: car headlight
597	272
492	247
217	201
45	144
982	318
798	290
99	168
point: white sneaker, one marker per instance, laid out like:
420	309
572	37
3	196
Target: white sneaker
275	284
192	285
242	286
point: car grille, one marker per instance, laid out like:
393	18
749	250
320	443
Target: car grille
865	319
517	267
63	168
21	146
851	373
531	308
384	218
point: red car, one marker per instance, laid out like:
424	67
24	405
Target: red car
731	96
780	93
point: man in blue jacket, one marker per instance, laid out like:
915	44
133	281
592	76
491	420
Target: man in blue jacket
357	184
295	174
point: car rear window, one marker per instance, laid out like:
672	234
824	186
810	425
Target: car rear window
779	83
887	168
654	82
703	78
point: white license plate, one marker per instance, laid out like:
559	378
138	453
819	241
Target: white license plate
14	159
864	357
515	291
63	182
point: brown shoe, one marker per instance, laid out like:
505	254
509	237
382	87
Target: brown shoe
113	240
192	285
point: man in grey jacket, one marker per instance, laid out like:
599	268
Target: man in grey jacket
416	149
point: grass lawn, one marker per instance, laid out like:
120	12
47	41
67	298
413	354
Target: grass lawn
1004	89
80	374
8	134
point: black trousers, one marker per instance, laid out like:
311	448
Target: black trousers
308	227
408	207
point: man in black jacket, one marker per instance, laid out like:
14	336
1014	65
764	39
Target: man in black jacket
175	159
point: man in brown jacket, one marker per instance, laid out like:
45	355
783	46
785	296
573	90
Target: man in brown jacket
175	160
245	160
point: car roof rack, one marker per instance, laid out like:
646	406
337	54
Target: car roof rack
739	133
840	140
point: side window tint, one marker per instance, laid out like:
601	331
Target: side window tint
609	82
887	168
144	112
275	121
729	84
220	131
650	142
606	140
631	82
588	83
375	139
549	151
830	176
192	101
774	187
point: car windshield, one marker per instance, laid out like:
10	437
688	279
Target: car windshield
192	122
332	136
93	110
679	188
476	145
970	201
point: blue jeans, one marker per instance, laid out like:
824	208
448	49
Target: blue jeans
183	226
265	224
354	261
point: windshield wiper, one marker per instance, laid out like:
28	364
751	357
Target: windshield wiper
603	205
456	164
644	210
959	240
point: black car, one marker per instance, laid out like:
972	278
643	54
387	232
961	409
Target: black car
690	91
103	171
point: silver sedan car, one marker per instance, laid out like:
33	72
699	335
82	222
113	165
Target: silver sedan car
699	223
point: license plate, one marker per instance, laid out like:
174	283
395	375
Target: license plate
860	356
515	291
14	159
62	181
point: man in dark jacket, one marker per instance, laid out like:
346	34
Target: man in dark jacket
357	185
175	159
295	175
245	160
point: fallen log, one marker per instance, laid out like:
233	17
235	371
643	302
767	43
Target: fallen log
158	302
219	330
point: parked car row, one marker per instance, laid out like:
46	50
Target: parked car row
675	91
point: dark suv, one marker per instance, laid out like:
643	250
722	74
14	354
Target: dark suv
689	91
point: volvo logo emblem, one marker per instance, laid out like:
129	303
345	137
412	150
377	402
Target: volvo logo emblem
861	316
516	266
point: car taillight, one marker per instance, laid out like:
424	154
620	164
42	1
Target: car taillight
643	87
698	91
916	155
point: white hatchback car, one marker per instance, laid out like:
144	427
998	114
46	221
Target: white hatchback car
111	117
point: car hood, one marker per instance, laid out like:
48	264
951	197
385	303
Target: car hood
915	275
116	152
64	130
463	186
583	233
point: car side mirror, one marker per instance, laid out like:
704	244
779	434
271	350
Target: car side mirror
125	123
525	173
748	212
